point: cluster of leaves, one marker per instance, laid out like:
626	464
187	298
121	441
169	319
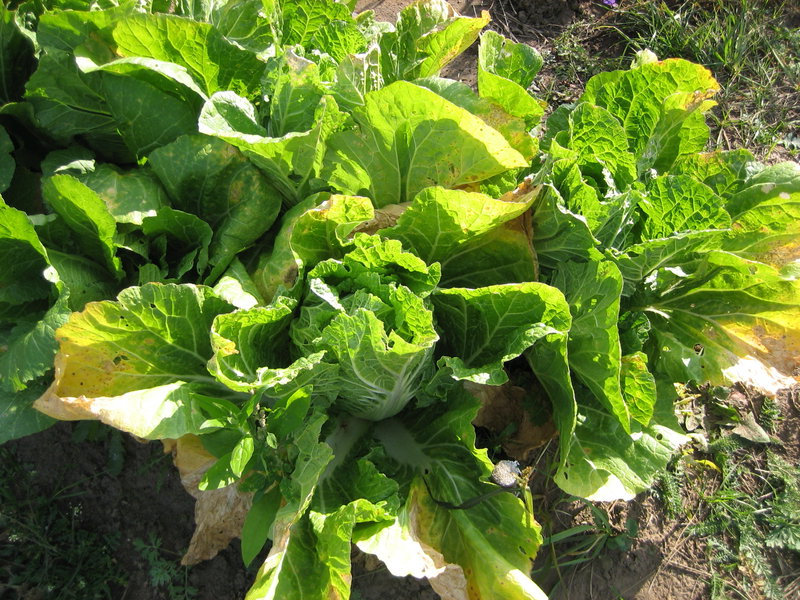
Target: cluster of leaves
271	231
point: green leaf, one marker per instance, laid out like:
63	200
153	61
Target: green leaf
593	291
241	454
356	75
28	347
23	260
18	418
66	29
189	239
638	387
484	328
86	215
678	203
559	235
303	20
605	463
297	93
68	103
505	70
722	318
85	280
493	541
722	171
410	138
129	195
211	179
316	229
340	39
769	202
660	105
515	129
258	523
144	130
7	163
214	63
150	336
291	162
248	342
293	544
428	35
16	59
599	143
252	24
464	232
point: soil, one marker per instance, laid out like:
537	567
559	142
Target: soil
659	563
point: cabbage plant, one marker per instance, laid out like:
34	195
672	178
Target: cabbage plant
272	235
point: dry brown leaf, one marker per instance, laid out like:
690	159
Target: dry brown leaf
384	217
503	405
219	514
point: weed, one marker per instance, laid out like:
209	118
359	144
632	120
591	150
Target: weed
753	510
165	574
746	44
44	551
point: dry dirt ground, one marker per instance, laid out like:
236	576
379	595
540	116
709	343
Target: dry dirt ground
660	563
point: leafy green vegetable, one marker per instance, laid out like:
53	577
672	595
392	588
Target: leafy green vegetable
273	232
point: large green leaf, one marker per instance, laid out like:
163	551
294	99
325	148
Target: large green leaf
16	58
378	330
660	105
464	232
248	342
150	336
18	418
766	218
410	138
484	328
722	318
515	129
678	203
492	542
291	162
505	70
296	95
211	179
138	362
67	103
7	163
252	24
427	36
23	260
293	542
595	137
604	462
722	171
558	233
593	291
67	29
29	346
87	216
129	195
303	20
316	229
213	62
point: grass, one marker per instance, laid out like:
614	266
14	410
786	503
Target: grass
165	574
44	550
728	511
751	46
